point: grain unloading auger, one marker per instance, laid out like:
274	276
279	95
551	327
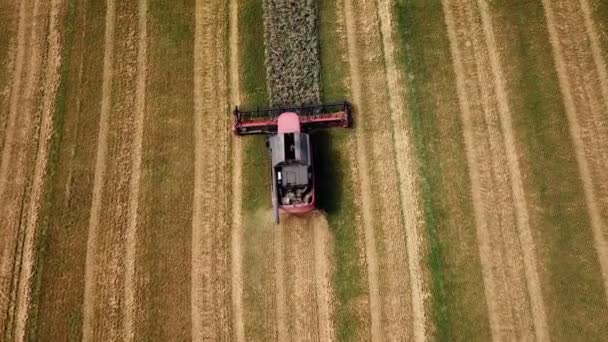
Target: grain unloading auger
289	143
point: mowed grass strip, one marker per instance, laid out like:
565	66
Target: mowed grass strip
57	300
458	304
259	297
569	268
163	258
335	186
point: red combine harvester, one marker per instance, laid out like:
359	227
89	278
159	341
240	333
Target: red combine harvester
289	143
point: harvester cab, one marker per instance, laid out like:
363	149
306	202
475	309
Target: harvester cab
289	143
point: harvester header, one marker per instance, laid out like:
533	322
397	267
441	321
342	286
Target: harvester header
265	121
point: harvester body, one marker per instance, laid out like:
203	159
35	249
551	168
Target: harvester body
291	149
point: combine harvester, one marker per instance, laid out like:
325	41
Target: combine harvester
288	137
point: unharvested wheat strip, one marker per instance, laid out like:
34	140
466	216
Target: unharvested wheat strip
370	242
28	258
322	271
598	58
597	224
17	75
237	197
474	175
523	221
100	166
405	168
135	181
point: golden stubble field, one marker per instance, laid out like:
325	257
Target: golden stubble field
473	187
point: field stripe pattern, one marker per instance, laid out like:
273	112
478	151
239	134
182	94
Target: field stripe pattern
580	84
512	288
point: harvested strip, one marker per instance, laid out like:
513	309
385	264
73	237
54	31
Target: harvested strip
281	290
134	185
90	282
323	250
18	152
365	189
210	227
236	238
520	205
388	222
28	257
580	86
500	224
5	235
408	183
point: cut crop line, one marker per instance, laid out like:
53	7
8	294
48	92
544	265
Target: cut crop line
521	209
474	176
405	168
100	166
28	257
598	59
237	172
370	242
135	181
597	224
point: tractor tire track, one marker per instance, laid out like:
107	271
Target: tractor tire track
279	283
371	255
90	288
19	150
236	236
28	257
210	226
404	156
581	72
507	251
131	235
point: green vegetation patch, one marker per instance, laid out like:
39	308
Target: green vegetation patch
458	301
570	275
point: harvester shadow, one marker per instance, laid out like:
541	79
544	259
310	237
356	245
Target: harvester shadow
329	179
